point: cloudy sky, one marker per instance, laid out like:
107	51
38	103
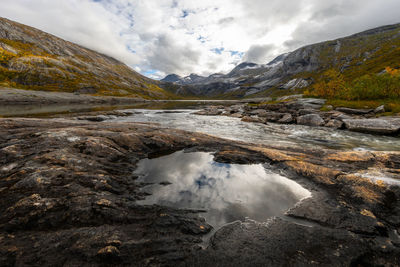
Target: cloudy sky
158	37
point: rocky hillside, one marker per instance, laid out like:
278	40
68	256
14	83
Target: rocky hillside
367	52
32	59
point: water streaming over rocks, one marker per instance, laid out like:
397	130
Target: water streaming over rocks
271	134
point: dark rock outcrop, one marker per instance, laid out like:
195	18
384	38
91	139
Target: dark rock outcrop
69	198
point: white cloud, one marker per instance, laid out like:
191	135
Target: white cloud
83	22
185	36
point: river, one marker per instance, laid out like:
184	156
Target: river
271	134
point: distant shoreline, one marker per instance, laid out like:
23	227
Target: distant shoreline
11	96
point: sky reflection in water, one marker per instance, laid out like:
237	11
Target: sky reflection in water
228	192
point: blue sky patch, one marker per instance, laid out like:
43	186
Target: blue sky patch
218	50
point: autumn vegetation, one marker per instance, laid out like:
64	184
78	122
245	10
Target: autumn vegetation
332	85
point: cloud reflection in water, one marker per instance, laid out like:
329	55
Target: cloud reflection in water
228	192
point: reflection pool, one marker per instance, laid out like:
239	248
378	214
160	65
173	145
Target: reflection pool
227	192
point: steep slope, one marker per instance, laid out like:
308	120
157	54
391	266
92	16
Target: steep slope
367	52
33	59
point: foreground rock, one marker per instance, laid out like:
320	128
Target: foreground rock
69	198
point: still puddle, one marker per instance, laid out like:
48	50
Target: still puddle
227	192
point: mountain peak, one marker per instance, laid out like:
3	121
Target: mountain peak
171	78
246	65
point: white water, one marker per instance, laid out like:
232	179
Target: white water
272	134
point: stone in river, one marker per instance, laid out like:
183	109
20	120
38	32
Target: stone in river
310	120
385	126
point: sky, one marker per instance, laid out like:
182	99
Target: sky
159	37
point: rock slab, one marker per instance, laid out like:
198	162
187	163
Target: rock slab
385	126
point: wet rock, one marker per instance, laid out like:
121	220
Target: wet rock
386	126
287	118
353	111
273	116
236	115
273	107
98	118
69	196
235	108
259	244
253	119
310	120
343	117
336	124
258	112
302	112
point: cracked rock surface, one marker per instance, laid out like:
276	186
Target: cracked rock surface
68	198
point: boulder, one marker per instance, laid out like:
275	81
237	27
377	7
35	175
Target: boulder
253	119
236	115
287	118
337	124
385	126
235	108
274	107
307	111
353	111
343	117
310	120
380	109
258	112
274	116
306	103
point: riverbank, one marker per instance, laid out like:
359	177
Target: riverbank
69	197
12	96
310	112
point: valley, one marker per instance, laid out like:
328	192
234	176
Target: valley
277	164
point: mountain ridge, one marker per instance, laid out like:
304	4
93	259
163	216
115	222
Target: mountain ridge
33	59
354	55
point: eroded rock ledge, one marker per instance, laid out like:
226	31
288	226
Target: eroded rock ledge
68	198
